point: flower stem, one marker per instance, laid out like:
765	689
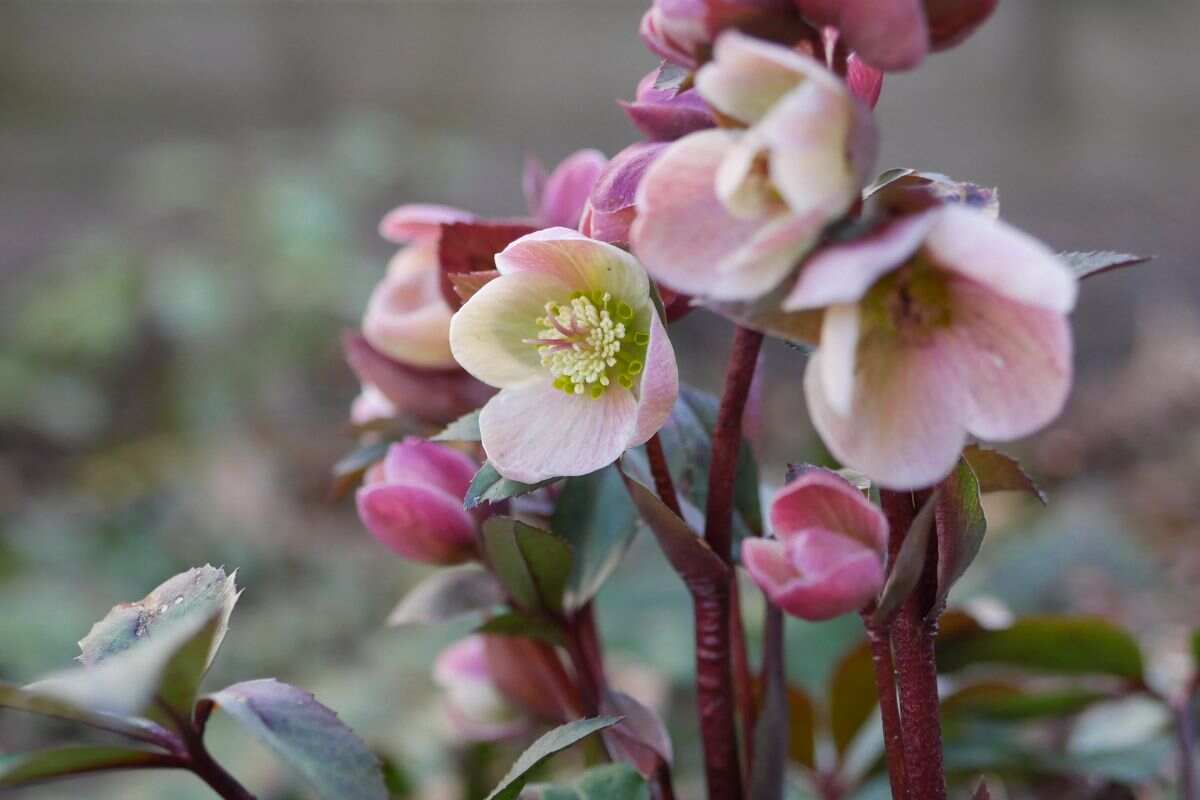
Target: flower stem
743	681
880	640
212	773
913	637
662	475
1185	735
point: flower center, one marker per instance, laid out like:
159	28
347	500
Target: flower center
913	301
589	344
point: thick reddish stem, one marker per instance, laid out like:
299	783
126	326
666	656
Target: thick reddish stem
913	637
885	683
743	681
661	473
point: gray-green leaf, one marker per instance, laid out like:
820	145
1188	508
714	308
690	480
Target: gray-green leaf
595	515
910	562
463	429
489	486
449	594
1094	262
532	564
550	743
609	782
27	768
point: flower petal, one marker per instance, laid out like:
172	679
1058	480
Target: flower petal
535	432
747	76
839	576
767	562
566	190
1014	361
418	522
406	316
839	343
888	34
1006	260
487	335
905	429
416	221
576	261
416	461
843	273
659	387
821	499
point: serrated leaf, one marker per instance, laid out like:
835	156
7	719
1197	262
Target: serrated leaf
693	560
852	696
910	563
550	743
998	472
1063	645
307	736
1008	702
26	768
595	515
447	595
961	526
489	486
516	623
463	429
533	565
1094	262
608	782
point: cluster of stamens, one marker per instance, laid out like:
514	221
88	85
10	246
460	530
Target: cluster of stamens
587	344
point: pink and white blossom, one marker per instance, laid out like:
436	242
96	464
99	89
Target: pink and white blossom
941	324
475	707
827	557
727	214
412	502
570	336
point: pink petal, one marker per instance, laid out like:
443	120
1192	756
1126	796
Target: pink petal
406	316
535	432
840	329
865	82
767	562
1013	360
690	242
416	221
611	210
820	576
1006	260
905	429
420	523
581	263
888	34
748	76
676	34
566	190
659	387
533	184
822	499
418	462
371	405
668	119
465	660
843	273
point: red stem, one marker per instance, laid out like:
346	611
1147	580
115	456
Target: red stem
662	475
743	681
885	684
913	637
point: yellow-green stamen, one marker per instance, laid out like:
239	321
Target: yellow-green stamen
589	343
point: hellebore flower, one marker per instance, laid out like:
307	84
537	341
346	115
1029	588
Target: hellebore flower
476	708
413	502
682	31
828	555
897	34
728	214
941	324
569	334
557	200
664	115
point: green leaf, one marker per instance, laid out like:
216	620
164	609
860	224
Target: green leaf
27	768
463	429
307	736
998	700
516	623
24	699
447	595
550	743
641	738
349	470
961	527
852	696
489	486
609	782
595	515
910	562
1064	645
693	560
1196	650
1094	262
533	565
997	472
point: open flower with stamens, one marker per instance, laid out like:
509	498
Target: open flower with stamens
570	335
939	324
728	213
828	555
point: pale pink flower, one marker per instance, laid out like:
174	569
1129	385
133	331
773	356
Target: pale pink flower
897	34
827	557
413	502
570	336
475	707
728	214
407	318
941	323
557	200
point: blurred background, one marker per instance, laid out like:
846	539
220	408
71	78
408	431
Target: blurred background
187	221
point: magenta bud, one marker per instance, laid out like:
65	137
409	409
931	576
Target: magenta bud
413	502
663	115
828	555
611	207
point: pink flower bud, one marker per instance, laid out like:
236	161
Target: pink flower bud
475	707
611	207
558	199
663	115
682	31
414	502
828	555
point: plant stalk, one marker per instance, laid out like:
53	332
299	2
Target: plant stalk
913	638
212	773
661	473
1185	736
880	640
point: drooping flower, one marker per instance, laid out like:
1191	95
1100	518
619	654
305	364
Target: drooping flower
827	557
475	707
570	336
728	214
664	115
897	34
413	502
942	323
682	31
